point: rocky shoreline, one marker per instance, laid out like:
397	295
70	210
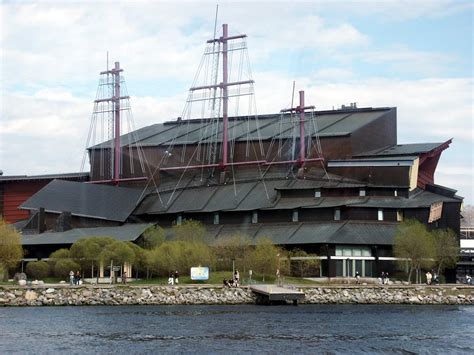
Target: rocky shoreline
195	295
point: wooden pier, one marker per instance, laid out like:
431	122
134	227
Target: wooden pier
272	294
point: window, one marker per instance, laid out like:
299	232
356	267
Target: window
216	218
347	250
395	193
317	193
337	214
179	220
254	217
295	216
362	192
380	214
399	215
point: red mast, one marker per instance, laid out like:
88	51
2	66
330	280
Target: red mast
301	110
116	155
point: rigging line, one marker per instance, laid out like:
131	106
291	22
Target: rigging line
188	105
181	177
185	144
280	135
204	103
215	20
89	135
262	176
130	150
92	153
318	141
133	135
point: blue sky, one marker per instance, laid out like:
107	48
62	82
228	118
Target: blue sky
415	55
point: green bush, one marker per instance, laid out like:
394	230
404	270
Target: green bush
64	266
37	269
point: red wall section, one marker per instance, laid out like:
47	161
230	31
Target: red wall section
14	194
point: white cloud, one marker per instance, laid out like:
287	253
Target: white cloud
51	49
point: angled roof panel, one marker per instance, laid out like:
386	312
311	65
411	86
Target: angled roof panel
329	123
278	233
402	149
228	197
87	200
263	195
194	199
365	233
310	233
126	232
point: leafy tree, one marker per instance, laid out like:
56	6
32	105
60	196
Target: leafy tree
189	231
266	257
141	258
55	256
87	251
62	267
414	243
117	252
302	266
235	247
446	249
180	256
11	251
153	237
37	269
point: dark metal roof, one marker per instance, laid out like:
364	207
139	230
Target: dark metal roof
85	200
334	182
422	199
329	123
67	176
402	149
344	232
259	195
127	232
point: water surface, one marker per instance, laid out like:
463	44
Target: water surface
220	329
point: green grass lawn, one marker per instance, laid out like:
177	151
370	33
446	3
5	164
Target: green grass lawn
216	278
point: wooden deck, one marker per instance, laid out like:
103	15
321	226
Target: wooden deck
272	294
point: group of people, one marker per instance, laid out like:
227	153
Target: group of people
234	282
384	280
173	278
432	278
75	278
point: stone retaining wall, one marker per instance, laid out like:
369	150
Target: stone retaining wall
161	295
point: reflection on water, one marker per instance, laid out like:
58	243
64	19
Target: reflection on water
204	329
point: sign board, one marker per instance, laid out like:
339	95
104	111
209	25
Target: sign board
200	273
116	268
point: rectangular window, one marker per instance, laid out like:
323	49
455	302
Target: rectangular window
317	193
399	215
380	214
295	216
216	218
179	220
362	192
347	252
254	217
337	214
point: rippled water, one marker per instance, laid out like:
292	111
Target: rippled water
219	329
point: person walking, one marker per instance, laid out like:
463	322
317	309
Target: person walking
357	277
176	277
78	278
236	278
124	277
429	278
71	277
